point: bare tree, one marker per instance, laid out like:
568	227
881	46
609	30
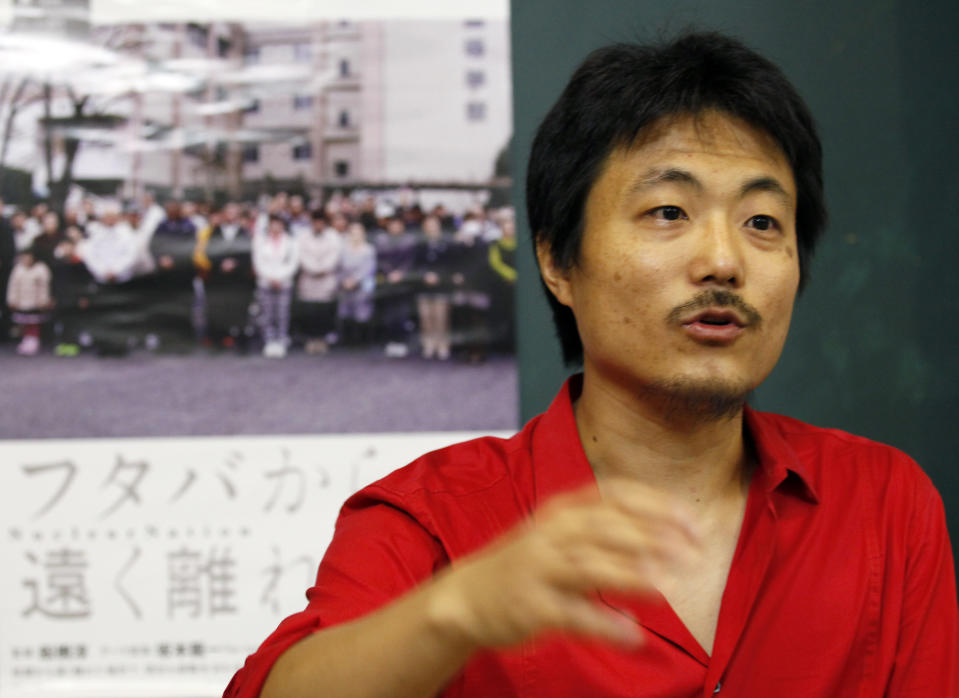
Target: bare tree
12	95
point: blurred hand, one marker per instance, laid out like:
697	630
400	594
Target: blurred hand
544	574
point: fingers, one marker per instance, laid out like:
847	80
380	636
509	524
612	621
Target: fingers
617	540
586	570
609	527
590	618
545	573
652	507
579	615
644	504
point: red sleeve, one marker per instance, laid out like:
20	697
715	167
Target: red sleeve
377	553
927	654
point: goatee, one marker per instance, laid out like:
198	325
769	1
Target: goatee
697	402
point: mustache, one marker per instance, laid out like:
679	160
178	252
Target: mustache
714	298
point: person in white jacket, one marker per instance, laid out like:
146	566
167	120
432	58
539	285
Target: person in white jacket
275	261
320	249
111	254
112	250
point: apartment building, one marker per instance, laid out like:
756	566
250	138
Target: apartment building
321	105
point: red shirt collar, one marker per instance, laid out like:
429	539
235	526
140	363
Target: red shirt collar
559	463
778	465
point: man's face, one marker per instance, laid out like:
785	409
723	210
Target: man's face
688	266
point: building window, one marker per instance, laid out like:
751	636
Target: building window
344	68
303	151
301	102
341	168
343	119
197	35
475	78
251	55
251	152
302	53
253	107
475	47
474	23
475	111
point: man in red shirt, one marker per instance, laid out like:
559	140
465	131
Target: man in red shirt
650	534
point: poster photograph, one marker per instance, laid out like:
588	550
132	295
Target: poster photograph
250	262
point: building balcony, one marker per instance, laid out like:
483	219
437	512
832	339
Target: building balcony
344	82
341	134
343	30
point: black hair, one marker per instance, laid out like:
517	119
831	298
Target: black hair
277	217
621	89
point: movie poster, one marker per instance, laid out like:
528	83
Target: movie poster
253	258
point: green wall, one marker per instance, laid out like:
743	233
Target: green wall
874	347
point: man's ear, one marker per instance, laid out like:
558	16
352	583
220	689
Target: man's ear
555	278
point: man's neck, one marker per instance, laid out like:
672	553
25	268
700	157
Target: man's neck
700	461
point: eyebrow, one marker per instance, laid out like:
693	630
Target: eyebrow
766	184
655	177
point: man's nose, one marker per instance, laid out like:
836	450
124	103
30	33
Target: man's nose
718	254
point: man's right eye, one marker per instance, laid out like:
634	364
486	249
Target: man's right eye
668	213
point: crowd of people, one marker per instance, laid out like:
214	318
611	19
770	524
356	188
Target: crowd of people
269	276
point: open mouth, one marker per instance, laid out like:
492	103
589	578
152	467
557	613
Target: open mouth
715	327
715	318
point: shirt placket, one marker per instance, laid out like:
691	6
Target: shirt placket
754	552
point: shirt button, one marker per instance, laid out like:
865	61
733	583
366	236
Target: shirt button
719	687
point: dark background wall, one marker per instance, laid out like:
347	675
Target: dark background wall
874	347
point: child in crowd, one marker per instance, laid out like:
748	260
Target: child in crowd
29	298
434	267
275	262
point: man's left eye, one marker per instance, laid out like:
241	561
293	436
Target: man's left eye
762	223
